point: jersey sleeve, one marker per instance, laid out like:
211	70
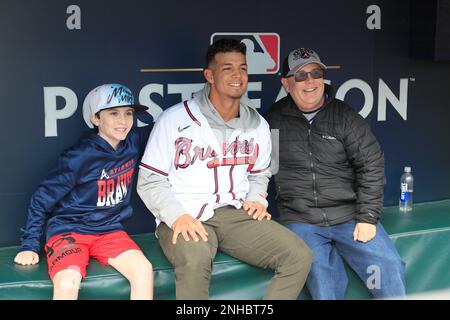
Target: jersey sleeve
264	148
159	151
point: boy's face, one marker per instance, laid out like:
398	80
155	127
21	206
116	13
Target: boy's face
114	124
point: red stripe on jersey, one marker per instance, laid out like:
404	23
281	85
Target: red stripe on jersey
216	182
259	171
153	169
190	114
231	183
253	158
231	171
201	211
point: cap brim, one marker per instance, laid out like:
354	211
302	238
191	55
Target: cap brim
294	70
136	107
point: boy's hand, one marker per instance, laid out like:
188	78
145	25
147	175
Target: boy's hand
257	210
27	258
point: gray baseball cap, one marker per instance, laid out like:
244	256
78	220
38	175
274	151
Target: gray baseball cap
112	95
298	58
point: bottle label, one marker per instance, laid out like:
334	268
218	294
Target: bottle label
404	196
404	187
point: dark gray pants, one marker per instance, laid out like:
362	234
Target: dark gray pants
264	244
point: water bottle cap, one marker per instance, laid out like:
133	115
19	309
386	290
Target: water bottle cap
407	169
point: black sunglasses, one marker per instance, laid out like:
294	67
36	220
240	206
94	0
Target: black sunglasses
303	75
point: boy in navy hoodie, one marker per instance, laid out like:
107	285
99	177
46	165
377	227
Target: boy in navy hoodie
86	197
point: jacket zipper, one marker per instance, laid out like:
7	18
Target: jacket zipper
311	165
314	176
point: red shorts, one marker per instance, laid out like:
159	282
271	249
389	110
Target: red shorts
72	250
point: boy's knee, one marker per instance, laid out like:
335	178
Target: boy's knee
67	279
145	269
142	273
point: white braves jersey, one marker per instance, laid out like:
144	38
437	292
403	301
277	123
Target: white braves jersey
203	174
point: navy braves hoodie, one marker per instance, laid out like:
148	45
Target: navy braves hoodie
88	191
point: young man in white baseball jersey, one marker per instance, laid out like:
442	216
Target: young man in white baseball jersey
204	176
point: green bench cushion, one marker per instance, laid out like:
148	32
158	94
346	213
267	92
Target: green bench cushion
421	237
33	282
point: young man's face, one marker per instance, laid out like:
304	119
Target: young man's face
114	124
228	75
307	94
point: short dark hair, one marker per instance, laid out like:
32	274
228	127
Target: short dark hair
222	46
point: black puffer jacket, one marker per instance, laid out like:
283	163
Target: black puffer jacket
330	171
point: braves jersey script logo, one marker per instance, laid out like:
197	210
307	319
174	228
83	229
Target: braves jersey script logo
186	155
263	50
113	184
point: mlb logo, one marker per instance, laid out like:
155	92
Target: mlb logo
263	50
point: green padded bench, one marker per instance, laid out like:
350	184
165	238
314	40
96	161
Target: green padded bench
421	237
33	282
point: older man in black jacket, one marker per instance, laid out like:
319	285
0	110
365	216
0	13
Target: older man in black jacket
330	184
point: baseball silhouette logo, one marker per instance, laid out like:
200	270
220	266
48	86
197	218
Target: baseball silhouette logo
263	50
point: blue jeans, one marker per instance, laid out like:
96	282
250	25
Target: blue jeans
376	262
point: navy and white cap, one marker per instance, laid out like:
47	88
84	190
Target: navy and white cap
298	58
112	95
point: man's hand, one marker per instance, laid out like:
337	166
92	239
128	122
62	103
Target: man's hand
257	210
27	258
364	232
188	226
